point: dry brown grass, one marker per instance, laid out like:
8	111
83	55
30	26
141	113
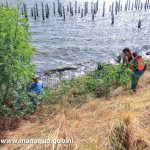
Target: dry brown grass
92	124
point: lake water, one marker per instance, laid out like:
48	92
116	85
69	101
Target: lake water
81	42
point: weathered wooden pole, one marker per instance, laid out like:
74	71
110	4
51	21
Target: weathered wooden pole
129	6
72	11
139	24
82	13
85	9
43	17
67	8
6	4
37	11
132	6
58	6
22	9
25	10
141	6
64	16
125	7
93	16
148	5
70	7
54	9
76	6
60	9
116	7
119	5
135	4
32	12
79	9
112	8
103	9
87	6
97	6
145	6
92	7
47	10
112	19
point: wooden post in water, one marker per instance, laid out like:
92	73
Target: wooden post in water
141	6
76	7
82	13
6	4
139	24
97	6
70	7
67	8
103	9
37	12
116	7
79	9
85	9
92	7
58	6
32	12
112	8
25	10
87	6
129	6
22	9
125	7
64	16
46	13
93	16
145	6
112	19
60	9
54	11
135	4
132	6
119	6
72	11
47	10
43	17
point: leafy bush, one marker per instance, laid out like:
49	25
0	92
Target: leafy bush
98	83
15	57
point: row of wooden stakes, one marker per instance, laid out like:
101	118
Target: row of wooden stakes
58	7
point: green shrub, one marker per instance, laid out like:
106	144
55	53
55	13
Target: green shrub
98	83
15	57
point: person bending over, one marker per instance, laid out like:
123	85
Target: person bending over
137	64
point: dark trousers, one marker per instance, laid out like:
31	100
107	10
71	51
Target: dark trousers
135	78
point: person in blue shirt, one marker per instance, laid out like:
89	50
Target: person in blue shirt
37	88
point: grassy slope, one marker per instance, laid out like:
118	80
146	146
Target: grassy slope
91	124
